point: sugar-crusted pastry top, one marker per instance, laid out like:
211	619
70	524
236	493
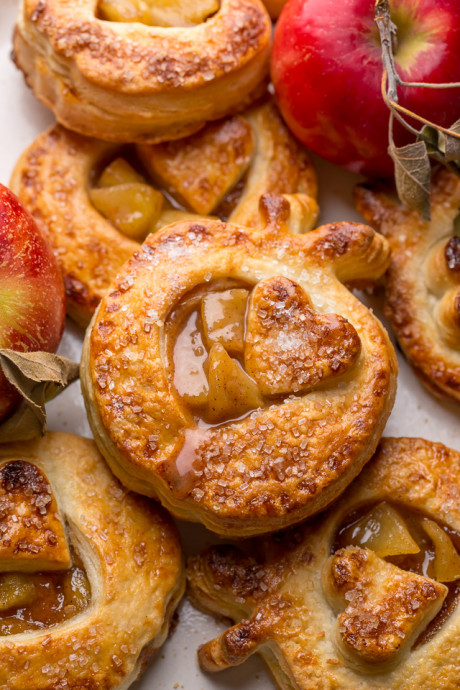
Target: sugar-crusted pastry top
238	451
125	575
222	170
326	615
123	81
423	282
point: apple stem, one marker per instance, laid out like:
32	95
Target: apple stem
391	79
412	164
387	31
427	85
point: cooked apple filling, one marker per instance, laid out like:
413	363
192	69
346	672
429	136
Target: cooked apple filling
206	342
32	601
231	348
406	538
155	13
395	573
194	177
123	196
42	579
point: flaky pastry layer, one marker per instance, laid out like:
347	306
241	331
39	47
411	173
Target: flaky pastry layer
282	462
423	282
303	608
132	557
133	82
54	174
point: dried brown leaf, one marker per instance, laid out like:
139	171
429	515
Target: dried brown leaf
451	145
38	377
412	176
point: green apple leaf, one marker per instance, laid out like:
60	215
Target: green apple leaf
412	176
38	377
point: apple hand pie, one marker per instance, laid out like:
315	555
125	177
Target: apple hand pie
90	574
142	70
366	596
423	282
230	373
97	201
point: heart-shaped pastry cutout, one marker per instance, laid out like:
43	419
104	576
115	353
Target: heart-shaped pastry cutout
199	170
289	348
384	607
32	535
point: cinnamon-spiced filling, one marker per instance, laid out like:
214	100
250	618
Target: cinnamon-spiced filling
42	578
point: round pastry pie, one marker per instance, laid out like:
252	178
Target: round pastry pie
96	203
90	574
230	373
364	597
142	70
423	282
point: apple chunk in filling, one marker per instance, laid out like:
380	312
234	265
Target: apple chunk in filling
206	342
382	530
223	315
123	196
231	391
162	13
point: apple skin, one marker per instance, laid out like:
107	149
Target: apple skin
326	69
32	296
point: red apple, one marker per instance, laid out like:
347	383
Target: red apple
327	70
32	297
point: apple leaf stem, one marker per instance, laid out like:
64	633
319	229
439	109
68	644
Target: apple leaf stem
412	166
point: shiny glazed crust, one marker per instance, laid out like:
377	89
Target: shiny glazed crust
133	561
54	174
422	293
320	439
278	591
133	82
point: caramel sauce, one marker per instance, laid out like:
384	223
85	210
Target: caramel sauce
43	599
187	345
182	473
420	563
190	357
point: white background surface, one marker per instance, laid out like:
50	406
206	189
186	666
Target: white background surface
416	413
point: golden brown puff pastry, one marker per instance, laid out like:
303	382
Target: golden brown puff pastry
230	373
223	169
364	597
98	569
123	81
423	281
